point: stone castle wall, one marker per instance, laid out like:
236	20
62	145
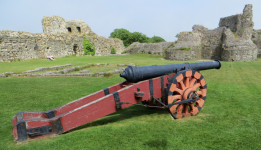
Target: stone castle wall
153	48
20	45
237	41
256	38
56	41
186	47
240	21
231	41
212	43
238	48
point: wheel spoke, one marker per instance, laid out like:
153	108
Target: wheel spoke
191	107
191	83
179	91
186	82
196	86
182	85
185	108
172	98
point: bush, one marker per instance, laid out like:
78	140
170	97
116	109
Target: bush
7	74
143	52
108	74
149	52
113	51
77	69
87	47
156	39
255	41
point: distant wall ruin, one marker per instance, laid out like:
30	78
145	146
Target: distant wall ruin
56	40
153	48
231	41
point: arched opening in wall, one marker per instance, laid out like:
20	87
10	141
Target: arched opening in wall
75	48
36	47
78	29
69	29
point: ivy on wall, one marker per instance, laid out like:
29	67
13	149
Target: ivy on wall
87	47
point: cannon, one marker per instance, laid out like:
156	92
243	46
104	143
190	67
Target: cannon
178	88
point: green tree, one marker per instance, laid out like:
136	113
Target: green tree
156	39
128	38
138	37
113	51
122	34
87	47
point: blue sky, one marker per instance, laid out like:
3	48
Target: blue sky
164	18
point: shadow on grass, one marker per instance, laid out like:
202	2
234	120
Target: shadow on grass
159	144
132	111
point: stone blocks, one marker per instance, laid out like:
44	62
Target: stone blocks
56	41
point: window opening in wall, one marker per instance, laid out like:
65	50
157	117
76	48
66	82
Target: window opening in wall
47	48
78	29
36	47
69	29
75	47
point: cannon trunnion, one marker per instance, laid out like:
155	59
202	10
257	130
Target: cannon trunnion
179	88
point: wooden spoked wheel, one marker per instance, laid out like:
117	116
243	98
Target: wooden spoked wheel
181	87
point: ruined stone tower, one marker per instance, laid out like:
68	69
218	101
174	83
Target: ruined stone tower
237	43
231	41
58	25
60	38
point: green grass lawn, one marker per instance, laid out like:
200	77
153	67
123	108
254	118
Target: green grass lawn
19	67
229	119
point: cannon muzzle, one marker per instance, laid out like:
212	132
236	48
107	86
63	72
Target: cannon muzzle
136	74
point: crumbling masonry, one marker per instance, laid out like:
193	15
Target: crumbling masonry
233	40
60	38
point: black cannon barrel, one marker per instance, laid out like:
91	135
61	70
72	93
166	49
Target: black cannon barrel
136	74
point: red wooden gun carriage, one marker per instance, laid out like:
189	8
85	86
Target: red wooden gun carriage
179	88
